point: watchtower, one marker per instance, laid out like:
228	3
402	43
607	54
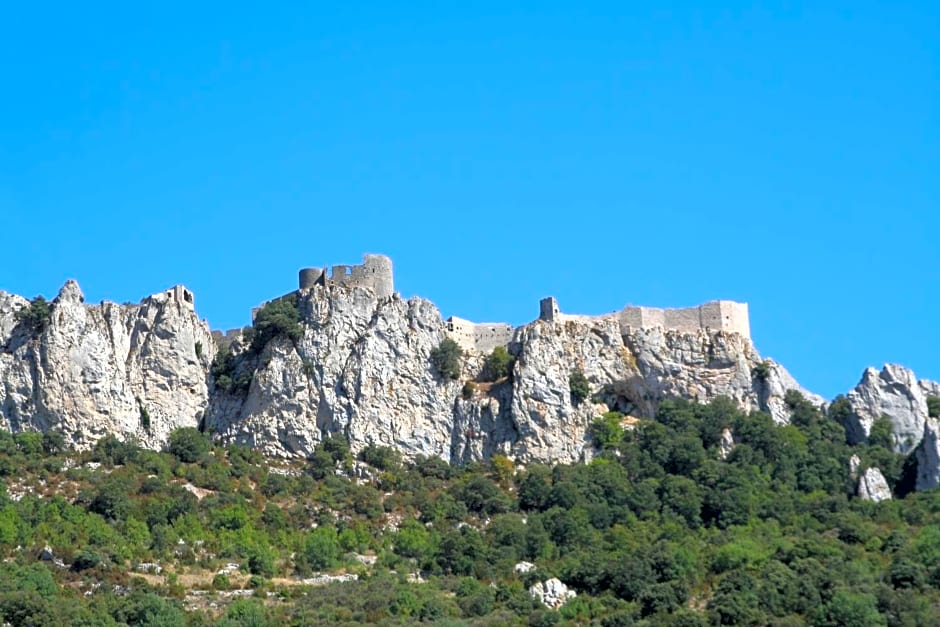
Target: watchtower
548	309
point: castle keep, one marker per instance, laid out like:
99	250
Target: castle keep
375	272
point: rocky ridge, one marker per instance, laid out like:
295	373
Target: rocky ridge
362	369
129	370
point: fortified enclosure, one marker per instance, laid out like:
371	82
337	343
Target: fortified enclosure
374	272
716	315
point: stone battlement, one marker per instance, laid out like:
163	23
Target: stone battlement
375	272
478	336
716	315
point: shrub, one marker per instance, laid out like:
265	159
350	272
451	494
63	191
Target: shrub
933	406
321	548
881	433
223	371
84	560
279	318
498	364
606	430
382	457
579	386
53	443
188	445
762	370
469	389
36	315
144	418
446	358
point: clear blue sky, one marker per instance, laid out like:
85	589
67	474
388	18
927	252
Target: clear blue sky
784	154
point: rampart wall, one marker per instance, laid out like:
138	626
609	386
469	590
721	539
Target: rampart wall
482	337
717	315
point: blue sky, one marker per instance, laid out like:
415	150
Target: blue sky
784	154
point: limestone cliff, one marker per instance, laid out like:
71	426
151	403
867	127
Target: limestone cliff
894	392
131	370
362	368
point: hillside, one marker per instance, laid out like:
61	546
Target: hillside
665	526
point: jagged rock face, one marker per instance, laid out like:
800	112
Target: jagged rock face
928	456
873	487
103	369
362	369
896	393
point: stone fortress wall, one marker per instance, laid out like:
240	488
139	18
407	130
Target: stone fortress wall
717	315
478	336
375	272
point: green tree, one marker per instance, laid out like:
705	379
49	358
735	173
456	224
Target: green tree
579	386
498	364
933	406
188	444
848	609
606	431
321	548
881	433
53	443
446	358
278	318
36	316
384	458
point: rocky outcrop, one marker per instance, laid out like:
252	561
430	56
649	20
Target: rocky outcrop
130	370
552	593
896	393
928	456
361	368
873	487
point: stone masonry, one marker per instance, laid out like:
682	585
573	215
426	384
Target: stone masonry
717	315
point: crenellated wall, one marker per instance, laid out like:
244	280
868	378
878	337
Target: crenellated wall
717	315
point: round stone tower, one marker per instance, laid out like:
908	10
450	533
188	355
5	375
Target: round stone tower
310	277
378	270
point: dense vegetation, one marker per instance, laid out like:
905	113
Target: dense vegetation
657	529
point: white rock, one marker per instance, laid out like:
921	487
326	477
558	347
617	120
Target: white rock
893	392
524	567
363	369
726	444
855	463
101	369
552	593
873	487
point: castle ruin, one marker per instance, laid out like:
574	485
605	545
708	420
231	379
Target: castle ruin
716	315
482	337
375	273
